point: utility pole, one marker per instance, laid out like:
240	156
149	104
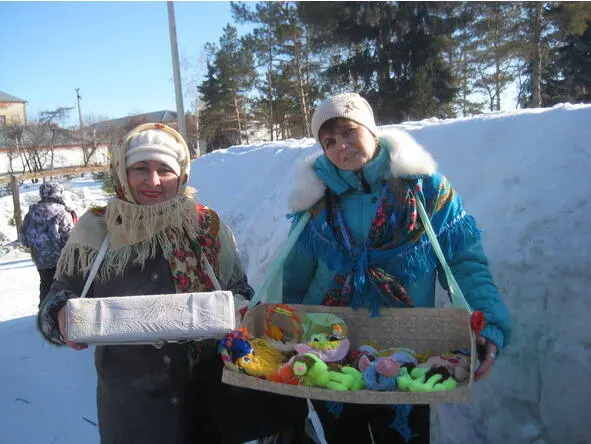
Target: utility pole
79	110
178	89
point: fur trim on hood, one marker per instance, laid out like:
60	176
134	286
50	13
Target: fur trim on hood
407	158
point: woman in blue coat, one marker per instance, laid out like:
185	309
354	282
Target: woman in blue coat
365	246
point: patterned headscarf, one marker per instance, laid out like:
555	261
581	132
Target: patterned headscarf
180	149
135	231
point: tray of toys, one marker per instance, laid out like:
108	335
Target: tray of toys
403	356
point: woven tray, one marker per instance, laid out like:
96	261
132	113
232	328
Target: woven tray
422	329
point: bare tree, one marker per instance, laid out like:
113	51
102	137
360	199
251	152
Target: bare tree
192	74
88	136
34	144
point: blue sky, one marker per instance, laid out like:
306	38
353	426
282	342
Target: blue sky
117	53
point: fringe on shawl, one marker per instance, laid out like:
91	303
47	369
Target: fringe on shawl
410	263
156	224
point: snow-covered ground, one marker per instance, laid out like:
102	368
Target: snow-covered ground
524	176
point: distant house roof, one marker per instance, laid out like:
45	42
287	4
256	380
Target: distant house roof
156	116
40	136
8	98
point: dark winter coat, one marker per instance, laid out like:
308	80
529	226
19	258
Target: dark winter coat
47	226
141	386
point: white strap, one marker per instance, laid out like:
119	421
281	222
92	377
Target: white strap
210	273
316	424
277	264
455	292
103	250
95	265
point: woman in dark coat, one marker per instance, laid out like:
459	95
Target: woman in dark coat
149	394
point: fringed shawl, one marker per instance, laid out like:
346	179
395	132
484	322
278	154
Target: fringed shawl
407	254
136	233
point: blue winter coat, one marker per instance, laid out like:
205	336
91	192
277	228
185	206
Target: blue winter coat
307	279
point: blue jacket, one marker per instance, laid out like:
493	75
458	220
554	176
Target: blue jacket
306	278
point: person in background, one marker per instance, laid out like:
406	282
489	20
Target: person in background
45	230
365	246
159	239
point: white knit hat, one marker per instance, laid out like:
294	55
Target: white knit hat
153	144
349	106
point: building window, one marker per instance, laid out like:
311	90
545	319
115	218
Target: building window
2	121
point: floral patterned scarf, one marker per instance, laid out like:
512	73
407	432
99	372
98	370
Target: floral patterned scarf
396	250
385	233
185	259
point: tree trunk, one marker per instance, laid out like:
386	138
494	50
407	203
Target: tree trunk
16	203
237	110
464	71
497	43
270	93
301	89
197	134
245	122
537	59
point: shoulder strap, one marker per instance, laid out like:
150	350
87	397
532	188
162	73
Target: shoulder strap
277	264
95	265
103	250
210	273
455	293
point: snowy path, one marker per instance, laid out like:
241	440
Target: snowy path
46	391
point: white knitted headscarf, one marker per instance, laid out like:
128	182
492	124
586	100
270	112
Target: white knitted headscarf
136	231
155	144
150	141
348	106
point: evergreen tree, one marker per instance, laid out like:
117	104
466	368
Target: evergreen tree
280	47
230	76
572	76
567	78
497	29
459	50
392	53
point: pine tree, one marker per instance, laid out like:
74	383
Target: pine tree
280	47
497	29
568	74
392	53
459	52
230	76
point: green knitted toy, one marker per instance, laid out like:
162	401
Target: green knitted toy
437	379
316	373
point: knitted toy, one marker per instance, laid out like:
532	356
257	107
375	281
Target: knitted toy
456	362
316	373
418	379
380	374
365	350
282	326
285	375
255	357
327	347
401	355
325	335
